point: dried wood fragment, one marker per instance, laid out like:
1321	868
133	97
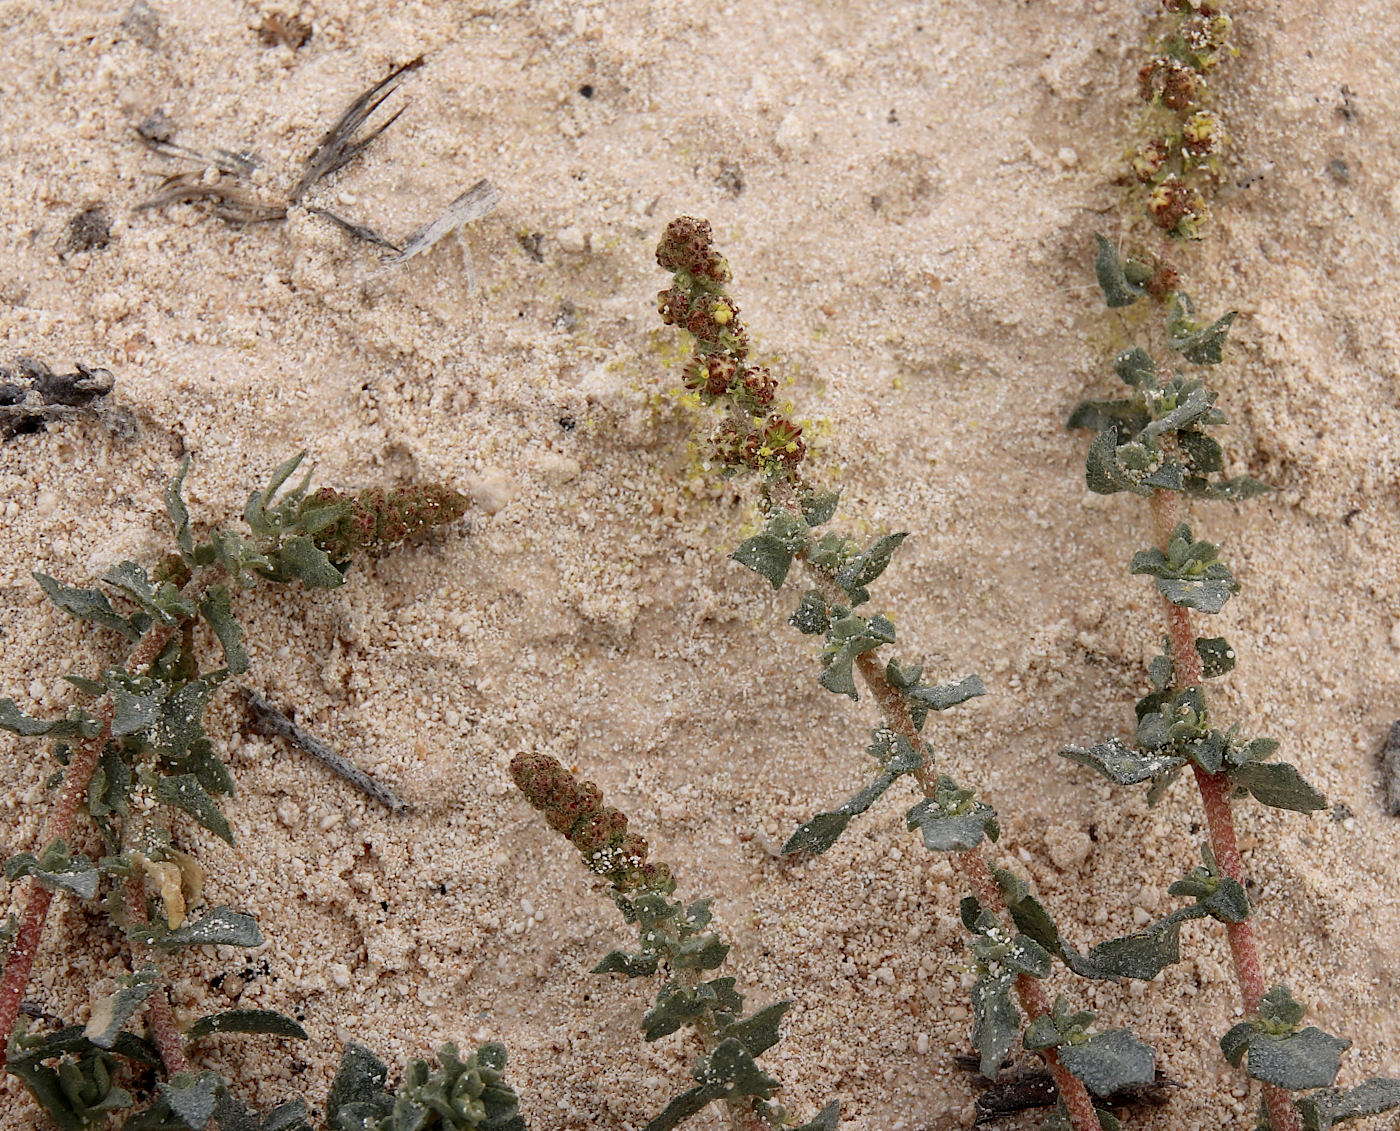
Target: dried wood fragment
473	204
269	720
339	146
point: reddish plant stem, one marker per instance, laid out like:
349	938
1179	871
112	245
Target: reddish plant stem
159	1018
1215	793
77	775
973	868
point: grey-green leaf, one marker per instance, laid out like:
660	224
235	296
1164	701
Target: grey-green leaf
86	604
818	509
826	1119
1323	1110
302	559
1136	368
1309	1059
185	791
1108	268
179	513
632	965
56	870
759	1033
1208	596
767	556
946	695
1278	784
192	1098
112	1013
1121	763
818	834
995	1021
219	926
952	832
247	1021
218	611
1109	1061
1142	956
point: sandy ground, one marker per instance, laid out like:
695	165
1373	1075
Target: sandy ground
907	193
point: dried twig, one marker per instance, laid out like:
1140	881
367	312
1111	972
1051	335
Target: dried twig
339	145
269	720
473	204
1390	770
32	394
231	202
359	231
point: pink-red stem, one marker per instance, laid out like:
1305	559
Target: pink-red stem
1215	793
77	775
973	867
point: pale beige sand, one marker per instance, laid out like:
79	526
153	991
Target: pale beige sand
920	185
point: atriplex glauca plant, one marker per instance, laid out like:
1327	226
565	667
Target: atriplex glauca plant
137	761
673	933
1156	443
1013	939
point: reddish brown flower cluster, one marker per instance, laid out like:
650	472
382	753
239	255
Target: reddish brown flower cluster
753	435
1173	84
598	831
376	518
688	246
1179	162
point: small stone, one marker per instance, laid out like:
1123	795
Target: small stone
1067	157
572	239
492	490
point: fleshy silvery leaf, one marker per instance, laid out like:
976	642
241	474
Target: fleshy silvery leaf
767	557
219	926
1324	1110
1278	784
1102	472
1136	368
359	1080
112	1013
17	722
1141	956
1121	763
218	611
811	616
1198	345
818	509
826	1119
56	870
1109	1061
1197	404
255	513
1108	268
1208	596
818	834
132	711
247	1021
1236	490
1204	452
946	695
163	602
185	791
848	638
823	830
945	831
1124	417
733	1065
302	559
759	1033
632	965
995	1021
1308	1059
192	1098
865	567
179	513
86	604
675	1005
1028	913
1217	657
683	1106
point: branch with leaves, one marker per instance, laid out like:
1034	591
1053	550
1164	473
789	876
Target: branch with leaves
1156	443
135	760
1013	939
